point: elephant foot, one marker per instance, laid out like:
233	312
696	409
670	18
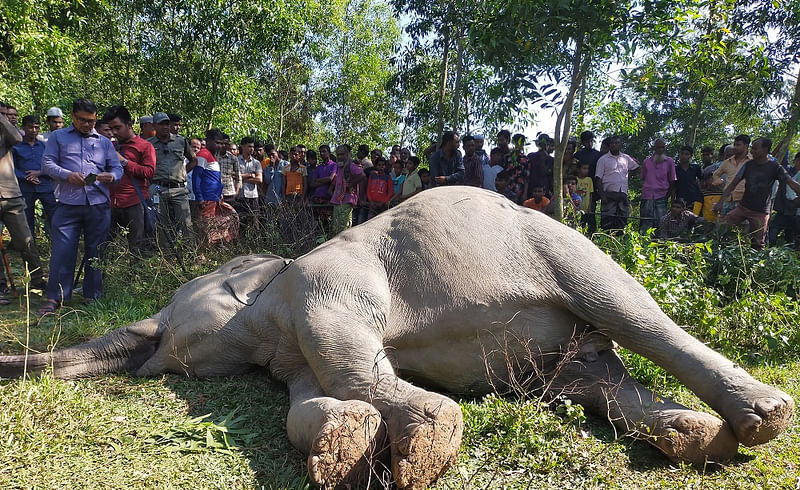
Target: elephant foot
346	445
761	416
684	435
425	438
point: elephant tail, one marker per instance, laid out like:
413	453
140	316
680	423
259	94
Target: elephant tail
122	350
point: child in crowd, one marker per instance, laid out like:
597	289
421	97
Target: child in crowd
311	159
572	201
538	201
398	178
412	184
584	186
679	221
585	189
379	188
501	185
294	179
571	191
425	177
493	168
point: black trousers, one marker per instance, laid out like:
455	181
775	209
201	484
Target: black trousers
131	219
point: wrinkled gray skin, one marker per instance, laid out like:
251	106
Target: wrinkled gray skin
454	284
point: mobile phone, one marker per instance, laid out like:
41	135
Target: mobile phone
89	179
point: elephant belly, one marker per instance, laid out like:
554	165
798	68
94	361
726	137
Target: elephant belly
477	354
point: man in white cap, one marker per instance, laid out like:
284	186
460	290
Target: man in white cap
479	141
55	121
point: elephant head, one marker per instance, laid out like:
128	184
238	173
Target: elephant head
207	302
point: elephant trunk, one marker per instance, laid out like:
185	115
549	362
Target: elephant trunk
124	349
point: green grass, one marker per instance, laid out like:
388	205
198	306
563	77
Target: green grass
174	432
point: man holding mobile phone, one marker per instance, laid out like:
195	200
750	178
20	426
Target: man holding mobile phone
82	163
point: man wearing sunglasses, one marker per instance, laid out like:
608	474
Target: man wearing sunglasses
81	163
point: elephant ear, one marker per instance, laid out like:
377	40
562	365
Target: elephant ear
249	275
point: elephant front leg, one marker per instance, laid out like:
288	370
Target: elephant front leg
424	428
342	438
603	385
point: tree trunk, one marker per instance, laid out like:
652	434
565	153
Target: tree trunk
212	104
582	105
467	127
458	91
443	84
282	118
794	119
38	106
580	65
698	108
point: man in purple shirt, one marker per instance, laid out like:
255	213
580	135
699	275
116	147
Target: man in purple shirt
658	182
321	177
81	163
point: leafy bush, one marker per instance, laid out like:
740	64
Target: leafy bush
741	301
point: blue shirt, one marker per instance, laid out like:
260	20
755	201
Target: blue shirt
451	168
273	180
68	151
29	157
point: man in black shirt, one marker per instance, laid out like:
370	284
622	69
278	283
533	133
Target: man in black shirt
587	154
759	175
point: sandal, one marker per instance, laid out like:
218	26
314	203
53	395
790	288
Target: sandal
50	306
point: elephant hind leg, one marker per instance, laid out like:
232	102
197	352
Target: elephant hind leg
604	386
344	439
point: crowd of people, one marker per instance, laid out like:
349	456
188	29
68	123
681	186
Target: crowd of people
99	176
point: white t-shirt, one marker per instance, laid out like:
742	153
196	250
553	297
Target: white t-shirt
249	189
489	176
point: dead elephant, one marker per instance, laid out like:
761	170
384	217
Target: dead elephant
425	291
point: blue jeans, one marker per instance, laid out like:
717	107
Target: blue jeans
69	221
728	206
651	212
